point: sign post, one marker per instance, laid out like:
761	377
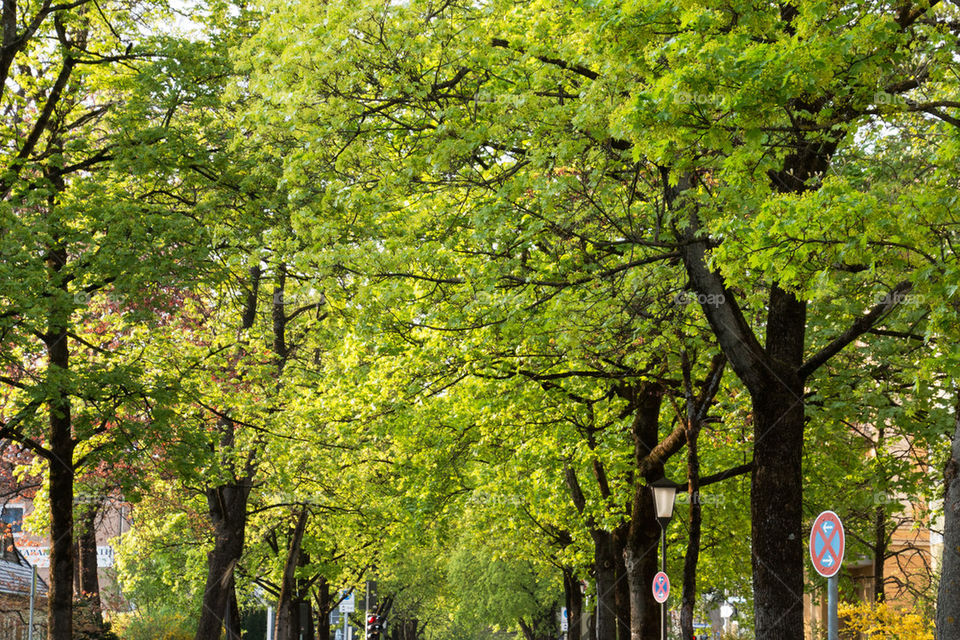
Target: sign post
827	544
347	606
661	591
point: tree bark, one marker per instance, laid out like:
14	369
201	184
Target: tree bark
228	512
776	504
879	535
605	569
772	376
688	596
324	607
227	507
56	341
641	560
622	584
60	601
573	599
288	613
640	552
605	561
87	561
948	595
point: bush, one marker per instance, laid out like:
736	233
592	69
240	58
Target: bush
881	622
87	624
159	624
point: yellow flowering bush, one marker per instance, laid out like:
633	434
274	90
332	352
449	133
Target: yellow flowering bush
880	622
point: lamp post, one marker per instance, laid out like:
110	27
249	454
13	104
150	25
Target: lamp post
664	492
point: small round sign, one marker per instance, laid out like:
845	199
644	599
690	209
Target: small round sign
827	542
661	587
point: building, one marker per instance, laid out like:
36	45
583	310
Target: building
16	583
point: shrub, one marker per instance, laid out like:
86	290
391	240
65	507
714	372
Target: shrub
882	622
160	624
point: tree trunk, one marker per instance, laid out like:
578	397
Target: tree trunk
87	557
879	534
56	341
324	607
60	600
288	611
605	568
641	560
641	551
689	595
603	622
622	590
948	596
776	504
573	599
879	553
227	506
591	624
228	512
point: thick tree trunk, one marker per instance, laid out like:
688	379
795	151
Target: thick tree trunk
879	553
948	596
641	551
228	512
688	597
227	506
60	599
605	569
324	607
87	562
879	535
776	497
641	559
307	629
603	621
622	592
288	611
573	599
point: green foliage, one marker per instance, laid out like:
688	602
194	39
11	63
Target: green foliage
468	211
165	623
161	561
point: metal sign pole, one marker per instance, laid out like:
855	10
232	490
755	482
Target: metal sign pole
366	611
663	567
833	623
827	546
33	592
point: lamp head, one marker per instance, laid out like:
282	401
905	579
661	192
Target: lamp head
664	493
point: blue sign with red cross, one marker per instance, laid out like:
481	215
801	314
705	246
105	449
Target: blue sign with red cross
661	587
827	543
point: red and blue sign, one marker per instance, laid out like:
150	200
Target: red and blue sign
661	587
827	542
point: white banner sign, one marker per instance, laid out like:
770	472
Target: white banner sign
40	556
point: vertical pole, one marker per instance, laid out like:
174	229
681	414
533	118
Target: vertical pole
33	592
833	623
366	610
663	567
346	625
270	623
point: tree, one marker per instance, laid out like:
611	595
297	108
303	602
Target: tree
76	231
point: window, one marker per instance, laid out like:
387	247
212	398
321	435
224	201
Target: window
13	516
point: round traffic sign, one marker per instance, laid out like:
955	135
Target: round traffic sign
661	587
827	542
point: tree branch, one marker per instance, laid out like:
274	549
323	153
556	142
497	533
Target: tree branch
861	326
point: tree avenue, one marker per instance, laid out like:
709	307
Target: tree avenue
434	291
732	122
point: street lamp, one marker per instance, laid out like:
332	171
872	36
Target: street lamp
664	492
